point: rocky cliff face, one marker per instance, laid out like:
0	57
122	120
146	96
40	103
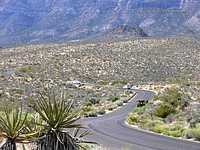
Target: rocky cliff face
28	21
192	7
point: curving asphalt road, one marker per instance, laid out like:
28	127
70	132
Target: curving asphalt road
111	131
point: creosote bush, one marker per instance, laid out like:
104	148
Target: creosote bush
133	118
114	98
171	99
170	130
193	132
163	110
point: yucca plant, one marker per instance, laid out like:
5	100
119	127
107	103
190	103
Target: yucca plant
78	136
12	125
59	118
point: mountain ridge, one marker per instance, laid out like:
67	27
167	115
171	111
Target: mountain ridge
27	21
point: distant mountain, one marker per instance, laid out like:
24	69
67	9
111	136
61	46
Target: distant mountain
36	21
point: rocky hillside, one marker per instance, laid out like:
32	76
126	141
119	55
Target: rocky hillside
142	60
28	21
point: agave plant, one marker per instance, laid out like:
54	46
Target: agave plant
59	117
13	126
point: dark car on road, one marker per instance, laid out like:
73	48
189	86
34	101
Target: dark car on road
142	103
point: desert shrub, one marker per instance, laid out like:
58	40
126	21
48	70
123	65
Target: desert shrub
91	101
25	69
126	100
101	112
124	95
171	96
159	128
193	118
145	121
188	133
156	97
112	107
119	103
94	101
114	98
119	82
193	132
103	82
140	110
87	108
176	133
163	110
149	123
88	111
91	114
133	118
17	91
174	130
87	103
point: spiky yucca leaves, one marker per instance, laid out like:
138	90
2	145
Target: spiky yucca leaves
13	125
56	112
78	137
58	117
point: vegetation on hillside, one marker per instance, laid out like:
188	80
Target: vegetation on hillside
171	112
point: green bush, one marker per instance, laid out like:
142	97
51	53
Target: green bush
119	82
88	111
145	121
91	101
103	82
25	69
133	118
140	110
163	110
193	133
87	108
87	103
91	114
156	97
159	128
174	130
176	133
114	98
148	123
171	96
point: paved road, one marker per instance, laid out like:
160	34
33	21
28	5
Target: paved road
111	132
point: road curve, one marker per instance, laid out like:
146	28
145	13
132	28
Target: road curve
111	131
